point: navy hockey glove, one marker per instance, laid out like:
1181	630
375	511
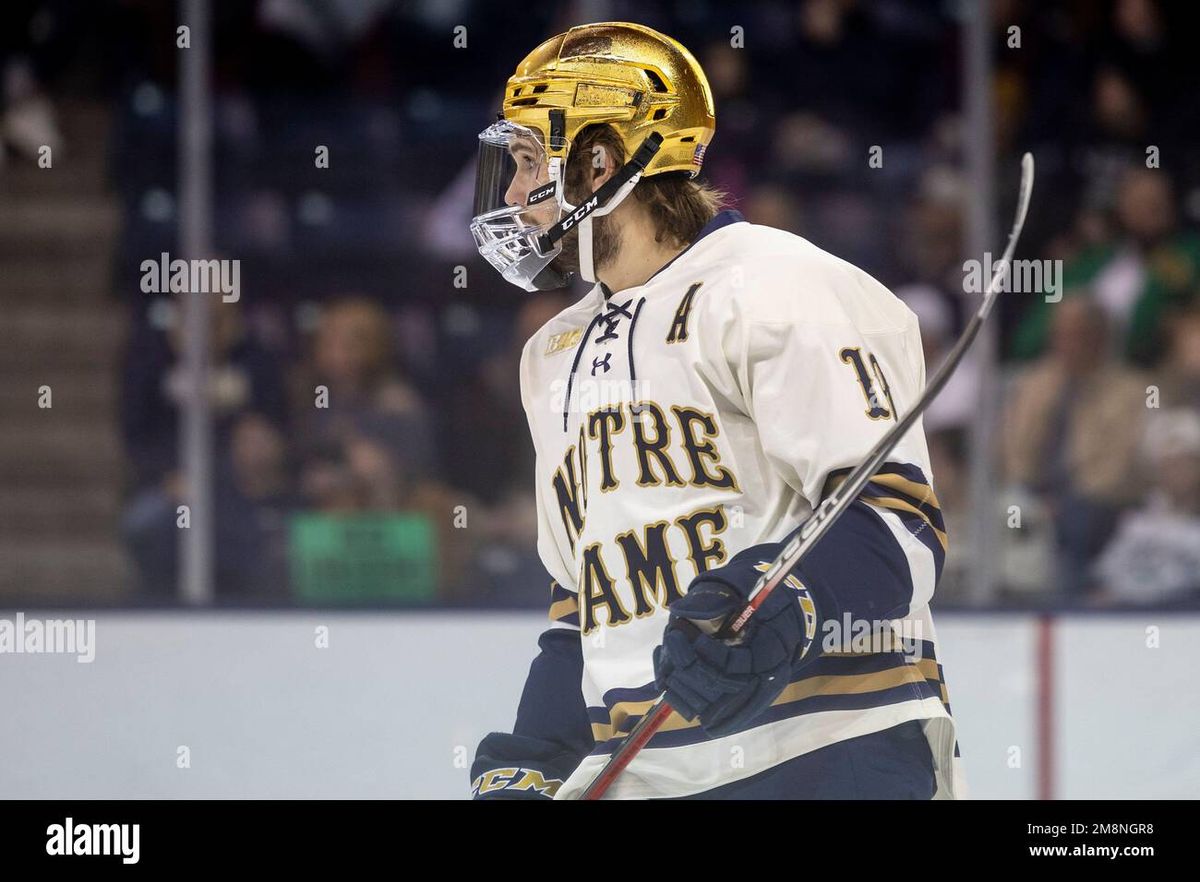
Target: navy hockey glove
727	683
519	767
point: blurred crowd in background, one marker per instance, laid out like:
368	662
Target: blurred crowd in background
411	481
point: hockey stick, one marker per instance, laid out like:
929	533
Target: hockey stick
834	505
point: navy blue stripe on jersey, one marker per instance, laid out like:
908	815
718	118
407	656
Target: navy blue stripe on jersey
827	665
877	489
840	680
935	673
889	491
813	704
894	763
907	470
901	483
900	486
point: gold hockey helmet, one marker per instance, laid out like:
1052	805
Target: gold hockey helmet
627	75
644	84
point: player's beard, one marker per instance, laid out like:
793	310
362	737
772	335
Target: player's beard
606	242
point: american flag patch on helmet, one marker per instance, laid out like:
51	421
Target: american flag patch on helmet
698	156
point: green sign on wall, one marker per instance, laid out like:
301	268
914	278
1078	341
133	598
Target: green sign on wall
355	558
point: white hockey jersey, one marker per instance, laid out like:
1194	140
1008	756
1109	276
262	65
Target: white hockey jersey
708	410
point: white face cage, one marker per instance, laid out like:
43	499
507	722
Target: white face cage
518	198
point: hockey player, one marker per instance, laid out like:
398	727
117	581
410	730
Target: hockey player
687	414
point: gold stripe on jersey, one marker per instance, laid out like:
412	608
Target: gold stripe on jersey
928	667
917	490
921	492
560	609
894	504
825	685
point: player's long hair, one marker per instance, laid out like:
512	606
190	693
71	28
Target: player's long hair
679	206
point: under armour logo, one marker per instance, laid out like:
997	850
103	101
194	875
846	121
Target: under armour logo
601	363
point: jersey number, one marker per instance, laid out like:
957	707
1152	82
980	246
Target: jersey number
867	384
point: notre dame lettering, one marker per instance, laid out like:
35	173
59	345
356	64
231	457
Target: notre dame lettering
673	447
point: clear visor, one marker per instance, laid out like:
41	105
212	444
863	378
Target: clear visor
517	199
514	172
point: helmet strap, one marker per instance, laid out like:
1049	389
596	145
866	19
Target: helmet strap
587	267
601	202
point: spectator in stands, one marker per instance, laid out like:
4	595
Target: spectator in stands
955	406
1155	556
252	497
1180	370
243	377
488	453
367	431
947	424
253	506
932	233
1071	435
774	206
1151	267
244	380
743	110
37	40
486	448
951	479
506	569
1089	92
353	386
